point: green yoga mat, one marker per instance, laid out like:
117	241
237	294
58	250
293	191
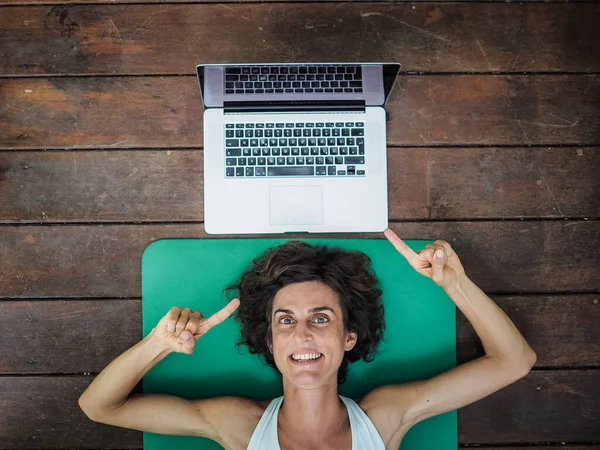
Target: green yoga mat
420	339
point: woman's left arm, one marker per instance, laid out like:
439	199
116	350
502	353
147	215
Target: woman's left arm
508	356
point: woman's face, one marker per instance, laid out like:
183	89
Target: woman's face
309	340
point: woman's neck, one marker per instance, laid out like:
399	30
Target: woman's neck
319	410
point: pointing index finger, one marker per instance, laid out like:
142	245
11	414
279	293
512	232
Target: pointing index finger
400	245
221	315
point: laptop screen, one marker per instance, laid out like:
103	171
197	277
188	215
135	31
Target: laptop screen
367	83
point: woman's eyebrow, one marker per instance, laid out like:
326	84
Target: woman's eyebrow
314	310
322	308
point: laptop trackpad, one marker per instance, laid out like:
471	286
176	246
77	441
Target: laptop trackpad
296	205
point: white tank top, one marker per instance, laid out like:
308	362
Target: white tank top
364	433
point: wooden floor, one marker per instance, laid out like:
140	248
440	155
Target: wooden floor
493	138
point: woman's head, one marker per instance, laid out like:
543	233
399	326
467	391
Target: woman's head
301	301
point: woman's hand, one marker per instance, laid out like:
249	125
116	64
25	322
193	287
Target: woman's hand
179	330
436	261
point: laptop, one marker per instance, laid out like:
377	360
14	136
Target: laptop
294	148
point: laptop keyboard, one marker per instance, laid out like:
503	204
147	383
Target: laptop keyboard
294	149
293	79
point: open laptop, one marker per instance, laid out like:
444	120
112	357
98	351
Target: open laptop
295	147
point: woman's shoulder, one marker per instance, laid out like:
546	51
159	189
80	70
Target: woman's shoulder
382	408
242	412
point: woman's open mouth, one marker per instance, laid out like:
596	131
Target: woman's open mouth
306	358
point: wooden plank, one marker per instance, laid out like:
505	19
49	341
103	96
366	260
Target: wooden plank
85	186
100	330
562	446
543	407
104	261
232	3
562	329
159	112
165	185
145	186
514	182
42	413
57	336
107	112
137	39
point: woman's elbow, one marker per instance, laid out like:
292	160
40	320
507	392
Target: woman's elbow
519	366
530	360
89	410
85	407
525	363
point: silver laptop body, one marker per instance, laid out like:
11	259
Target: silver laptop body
295	147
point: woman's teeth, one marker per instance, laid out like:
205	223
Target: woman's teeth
305	356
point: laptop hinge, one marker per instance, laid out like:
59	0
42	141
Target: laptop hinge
293	106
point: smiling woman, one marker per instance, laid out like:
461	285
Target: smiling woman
303	308
299	288
310	311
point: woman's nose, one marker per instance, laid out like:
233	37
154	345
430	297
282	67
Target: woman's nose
302	332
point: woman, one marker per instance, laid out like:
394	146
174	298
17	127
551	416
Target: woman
308	324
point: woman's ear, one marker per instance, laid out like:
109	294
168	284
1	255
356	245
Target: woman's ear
350	341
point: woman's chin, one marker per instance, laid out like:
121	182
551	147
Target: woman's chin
309	379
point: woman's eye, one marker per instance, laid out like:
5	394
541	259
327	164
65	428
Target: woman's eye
286	321
322	319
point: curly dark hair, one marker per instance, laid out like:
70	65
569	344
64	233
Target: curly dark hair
348	273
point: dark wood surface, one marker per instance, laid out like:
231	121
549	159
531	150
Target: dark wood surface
540	447
104	260
557	326
424	183
524	410
432	110
232	3
463	37
493	144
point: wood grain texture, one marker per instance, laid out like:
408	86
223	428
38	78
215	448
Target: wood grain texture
563	404
514	182
86	186
104	260
564	446
115	82
53	336
557	328
42	413
143	186
49	337
165	185
232	3
111	112
429	37
542	407
160	112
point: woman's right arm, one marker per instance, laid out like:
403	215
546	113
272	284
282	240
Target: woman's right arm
108	399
